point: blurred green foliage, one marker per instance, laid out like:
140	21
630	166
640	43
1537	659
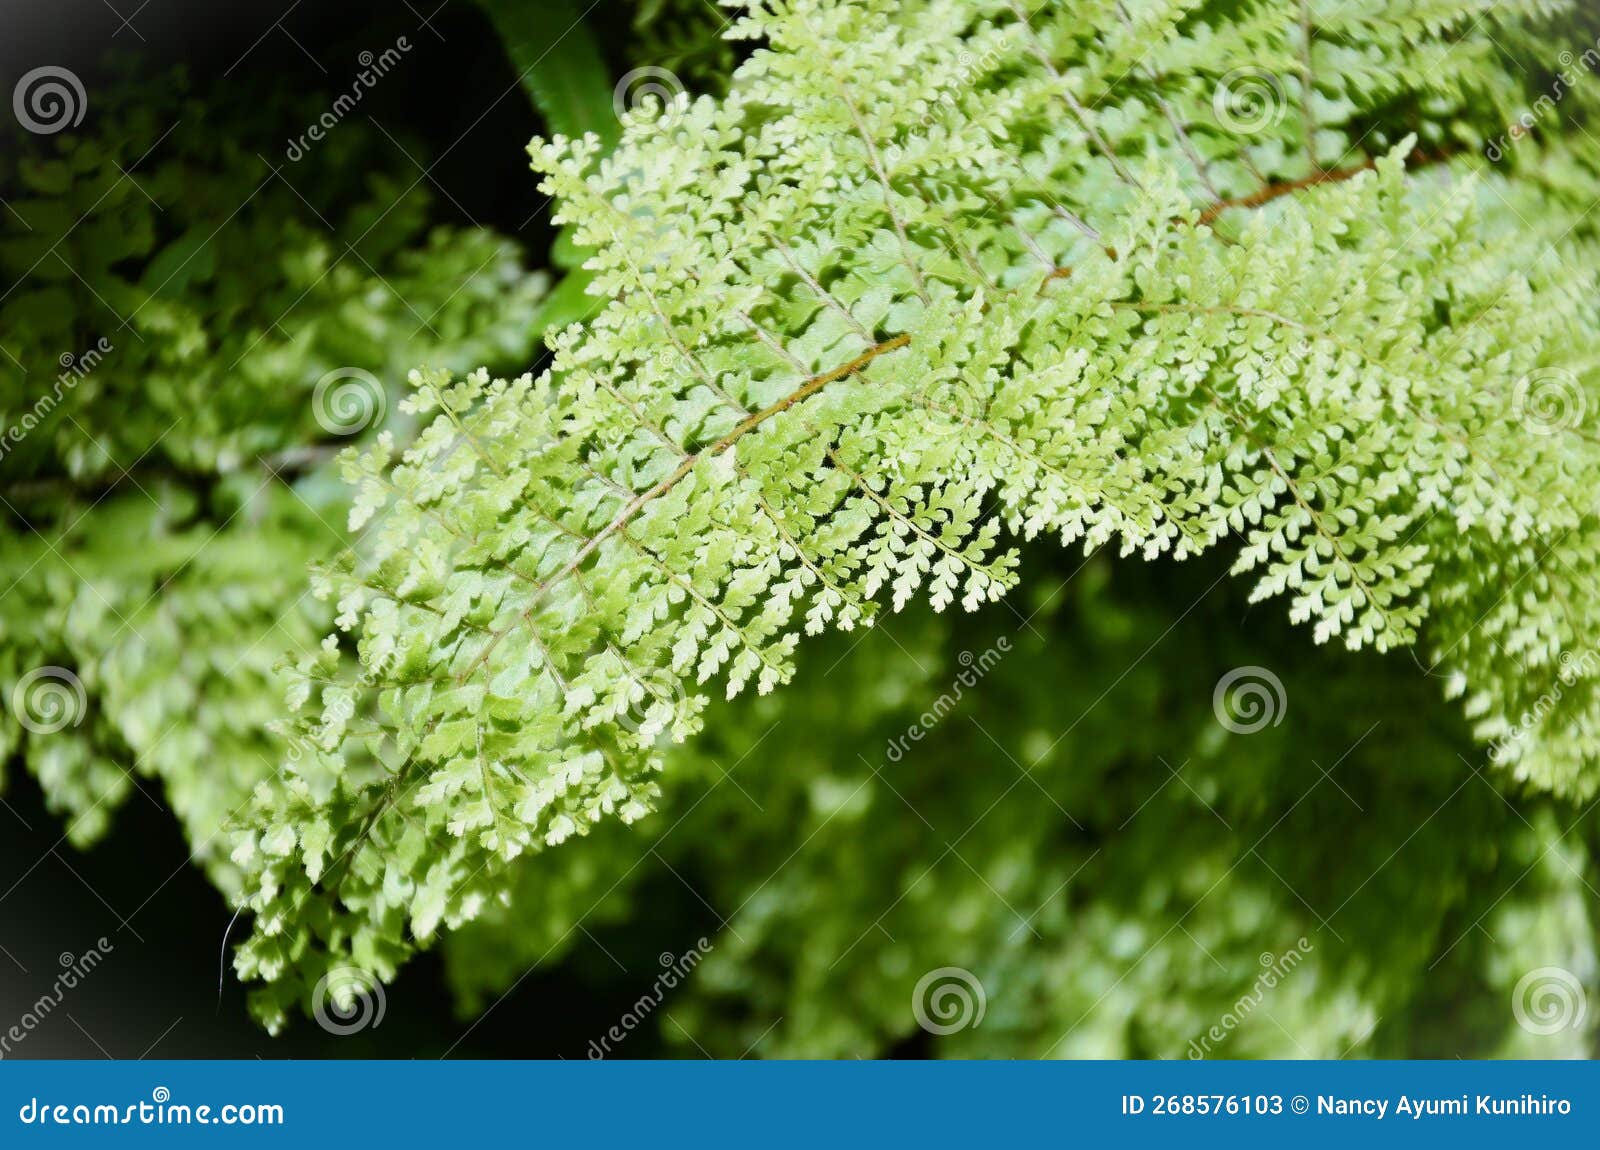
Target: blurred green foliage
192	327
1082	834
1079	831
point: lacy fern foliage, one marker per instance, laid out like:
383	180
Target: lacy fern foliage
931	278
165	493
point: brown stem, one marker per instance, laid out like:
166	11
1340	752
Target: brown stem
1270	192
810	387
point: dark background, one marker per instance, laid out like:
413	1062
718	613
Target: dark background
164	991
456	91
167	988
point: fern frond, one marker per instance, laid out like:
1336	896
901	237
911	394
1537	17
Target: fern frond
930	276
